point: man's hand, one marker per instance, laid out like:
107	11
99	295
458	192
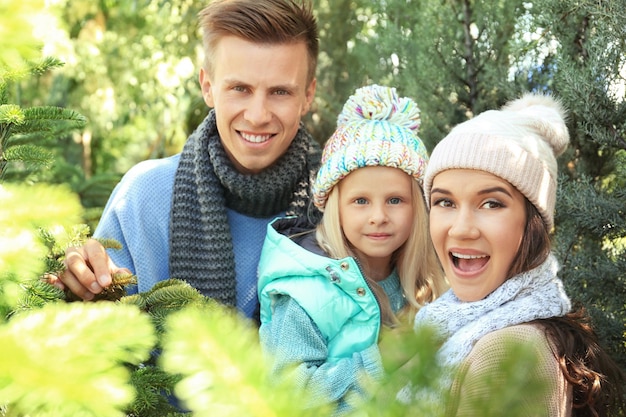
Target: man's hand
88	270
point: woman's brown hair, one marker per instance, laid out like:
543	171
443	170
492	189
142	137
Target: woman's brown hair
597	381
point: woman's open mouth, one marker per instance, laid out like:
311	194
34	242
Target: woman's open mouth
468	263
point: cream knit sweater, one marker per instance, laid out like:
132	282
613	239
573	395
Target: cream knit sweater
489	352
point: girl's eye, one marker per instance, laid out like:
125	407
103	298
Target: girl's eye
360	200
395	200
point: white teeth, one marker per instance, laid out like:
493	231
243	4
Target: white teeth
255	138
463	256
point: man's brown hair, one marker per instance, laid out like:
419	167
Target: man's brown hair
260	21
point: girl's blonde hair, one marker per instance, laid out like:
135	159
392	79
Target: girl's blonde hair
416	262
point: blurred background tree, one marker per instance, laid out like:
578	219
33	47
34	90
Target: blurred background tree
131	69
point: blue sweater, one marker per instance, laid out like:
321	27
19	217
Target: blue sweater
138	216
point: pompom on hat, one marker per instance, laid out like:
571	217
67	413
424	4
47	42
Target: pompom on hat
375	128
518	143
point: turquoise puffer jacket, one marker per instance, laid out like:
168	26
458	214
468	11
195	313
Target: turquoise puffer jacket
334	293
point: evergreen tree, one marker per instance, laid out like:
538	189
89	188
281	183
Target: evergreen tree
454	56
341	67
26	133
588	75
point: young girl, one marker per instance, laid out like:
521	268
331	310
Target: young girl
326	292
491	186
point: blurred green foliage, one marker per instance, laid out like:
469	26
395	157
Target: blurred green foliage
87	89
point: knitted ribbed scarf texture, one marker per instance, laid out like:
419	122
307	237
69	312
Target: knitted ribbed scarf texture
206	184
531	295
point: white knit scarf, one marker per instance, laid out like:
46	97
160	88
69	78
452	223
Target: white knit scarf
531	295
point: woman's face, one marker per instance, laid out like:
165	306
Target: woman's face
477	222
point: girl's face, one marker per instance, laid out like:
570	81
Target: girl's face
477	222
376	215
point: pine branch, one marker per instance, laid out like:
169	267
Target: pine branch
31	155
165	298
70	359
46	120
32	68
11	114
584	208
153	387
36	294
23	131
229	375
44	65
410	361
36	68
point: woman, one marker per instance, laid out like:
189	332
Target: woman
491	188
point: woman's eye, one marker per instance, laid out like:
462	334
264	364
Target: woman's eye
442	203
493	204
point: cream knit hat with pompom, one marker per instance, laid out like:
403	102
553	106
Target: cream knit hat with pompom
518	143
375	128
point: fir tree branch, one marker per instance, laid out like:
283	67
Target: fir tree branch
70	359
229	375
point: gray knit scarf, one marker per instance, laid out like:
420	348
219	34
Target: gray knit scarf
206	183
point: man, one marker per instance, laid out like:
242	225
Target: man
201	215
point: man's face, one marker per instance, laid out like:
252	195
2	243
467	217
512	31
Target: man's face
259	93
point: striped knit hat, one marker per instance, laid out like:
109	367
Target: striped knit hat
375	128
518	143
